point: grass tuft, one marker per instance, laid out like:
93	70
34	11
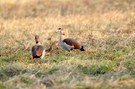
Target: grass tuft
95	69
104	27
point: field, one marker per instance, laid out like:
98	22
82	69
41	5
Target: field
106	29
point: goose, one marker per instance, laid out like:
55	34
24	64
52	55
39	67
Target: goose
69	44
38	51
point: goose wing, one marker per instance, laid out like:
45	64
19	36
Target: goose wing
72	42
37	50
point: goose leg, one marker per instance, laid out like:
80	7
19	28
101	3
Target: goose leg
37	64
34	59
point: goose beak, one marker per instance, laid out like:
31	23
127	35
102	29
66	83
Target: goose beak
63	33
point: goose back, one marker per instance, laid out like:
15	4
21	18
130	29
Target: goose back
37	51
72	42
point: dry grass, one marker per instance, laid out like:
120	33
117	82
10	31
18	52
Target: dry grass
106	28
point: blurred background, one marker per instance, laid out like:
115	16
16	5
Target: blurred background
106	29
44	8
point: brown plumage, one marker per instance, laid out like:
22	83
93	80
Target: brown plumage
72	42
38	50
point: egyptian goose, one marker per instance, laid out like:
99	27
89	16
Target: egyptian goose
38	51
69	43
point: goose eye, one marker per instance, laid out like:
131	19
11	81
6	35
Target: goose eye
60	28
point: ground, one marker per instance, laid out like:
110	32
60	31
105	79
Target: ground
106	29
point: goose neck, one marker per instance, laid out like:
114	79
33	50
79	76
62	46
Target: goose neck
60	36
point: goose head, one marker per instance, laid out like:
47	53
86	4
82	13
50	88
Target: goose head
37	39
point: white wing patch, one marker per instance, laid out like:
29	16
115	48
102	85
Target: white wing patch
43	54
